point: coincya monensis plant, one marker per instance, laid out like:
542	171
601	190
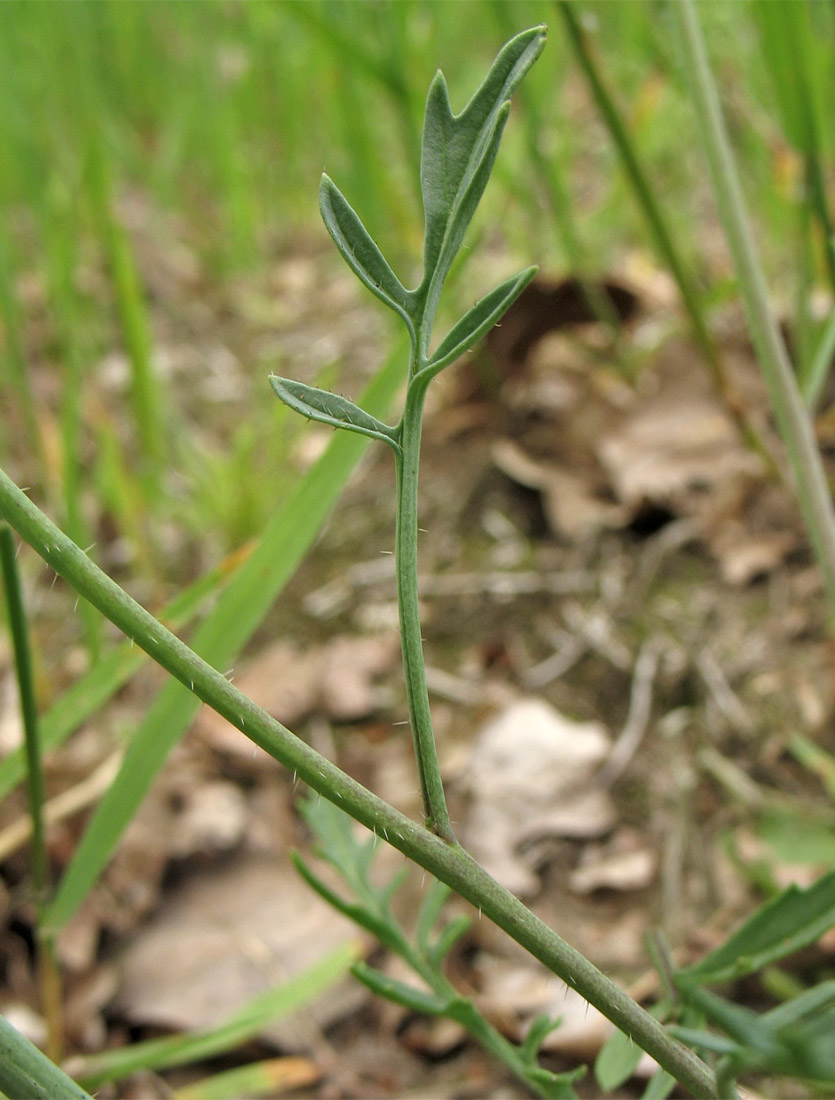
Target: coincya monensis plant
458	152
457	155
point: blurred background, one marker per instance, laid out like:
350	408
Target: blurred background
160	173
607	528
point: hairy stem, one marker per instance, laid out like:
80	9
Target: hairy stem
449	863
790	413
411	640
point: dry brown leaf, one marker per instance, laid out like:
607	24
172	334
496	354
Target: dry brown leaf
572	506
336	680
530	777
624	863
677	440
223	938
527	991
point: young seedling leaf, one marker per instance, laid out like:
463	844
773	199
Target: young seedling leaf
477	322
788	922
455	145
330	408
458	151
460	217
361	253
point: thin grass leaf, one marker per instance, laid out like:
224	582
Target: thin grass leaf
805	1004
19	630
26	1072
784	924
788	45
112	672
361	253
820	366
331	408
219	639
477	322
270	1077
241	1026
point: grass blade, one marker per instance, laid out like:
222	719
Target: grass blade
270	1078
111	673
792	419
785	924
241	1026
26	1072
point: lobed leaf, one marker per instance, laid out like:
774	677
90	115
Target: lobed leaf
434	900
331	408
477	322
458	151
361	253
409	996
447	938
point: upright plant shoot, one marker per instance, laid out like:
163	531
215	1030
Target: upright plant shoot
457	157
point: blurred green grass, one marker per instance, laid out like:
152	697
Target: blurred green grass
120	119
194	134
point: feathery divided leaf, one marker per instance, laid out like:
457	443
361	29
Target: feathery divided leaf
400	993
361	253
477	322
330	408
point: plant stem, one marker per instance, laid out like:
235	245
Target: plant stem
787	405
49	977
449	863
28	709
650	206
405	552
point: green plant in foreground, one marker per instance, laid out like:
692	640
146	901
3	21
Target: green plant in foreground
457	155
434	938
